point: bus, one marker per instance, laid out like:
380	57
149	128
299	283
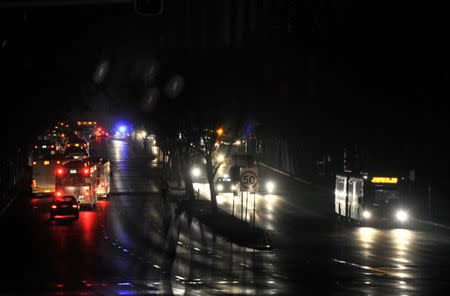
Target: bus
42	174
104	175
370	200
79	179
385	200
349	192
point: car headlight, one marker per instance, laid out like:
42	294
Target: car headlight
270	186
219	187
401	215
195	172
367	215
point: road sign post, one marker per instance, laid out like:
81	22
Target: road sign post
248	180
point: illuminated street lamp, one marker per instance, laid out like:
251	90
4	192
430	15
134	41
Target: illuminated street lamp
219	132
220	157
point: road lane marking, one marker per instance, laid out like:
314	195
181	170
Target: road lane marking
381	270
10	202
426	222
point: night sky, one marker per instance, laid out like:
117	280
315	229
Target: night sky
378	71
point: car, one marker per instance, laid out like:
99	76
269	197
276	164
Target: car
64	207
75	152
224	184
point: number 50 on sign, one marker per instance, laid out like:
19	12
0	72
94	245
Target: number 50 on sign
248	179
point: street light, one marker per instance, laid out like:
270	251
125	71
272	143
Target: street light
220	157
219	132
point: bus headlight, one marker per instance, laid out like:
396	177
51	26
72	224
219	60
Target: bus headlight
401	215
367	215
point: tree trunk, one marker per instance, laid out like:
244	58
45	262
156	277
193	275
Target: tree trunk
210	176
177	169
189	187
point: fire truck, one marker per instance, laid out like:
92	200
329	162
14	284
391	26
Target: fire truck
78	179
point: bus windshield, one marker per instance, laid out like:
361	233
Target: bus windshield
381	194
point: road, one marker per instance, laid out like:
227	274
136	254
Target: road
130	244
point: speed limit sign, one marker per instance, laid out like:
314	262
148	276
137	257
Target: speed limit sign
248	179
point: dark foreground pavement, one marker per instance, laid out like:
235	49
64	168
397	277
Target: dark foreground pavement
131	245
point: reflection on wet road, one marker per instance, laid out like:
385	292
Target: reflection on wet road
132	244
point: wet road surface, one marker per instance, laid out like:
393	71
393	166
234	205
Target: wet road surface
130	244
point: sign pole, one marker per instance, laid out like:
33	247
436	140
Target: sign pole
232	211
242	205
246	207
254	208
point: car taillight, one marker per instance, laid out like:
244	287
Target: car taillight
54	206
58	194
86	171
87	193
59	171
34	184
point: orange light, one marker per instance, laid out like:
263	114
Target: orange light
68	145
58	162
384	180
34	163
34	184
87	193
46	162
74	206
54	206
219	132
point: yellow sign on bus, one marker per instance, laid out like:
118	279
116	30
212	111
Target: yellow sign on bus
384	180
